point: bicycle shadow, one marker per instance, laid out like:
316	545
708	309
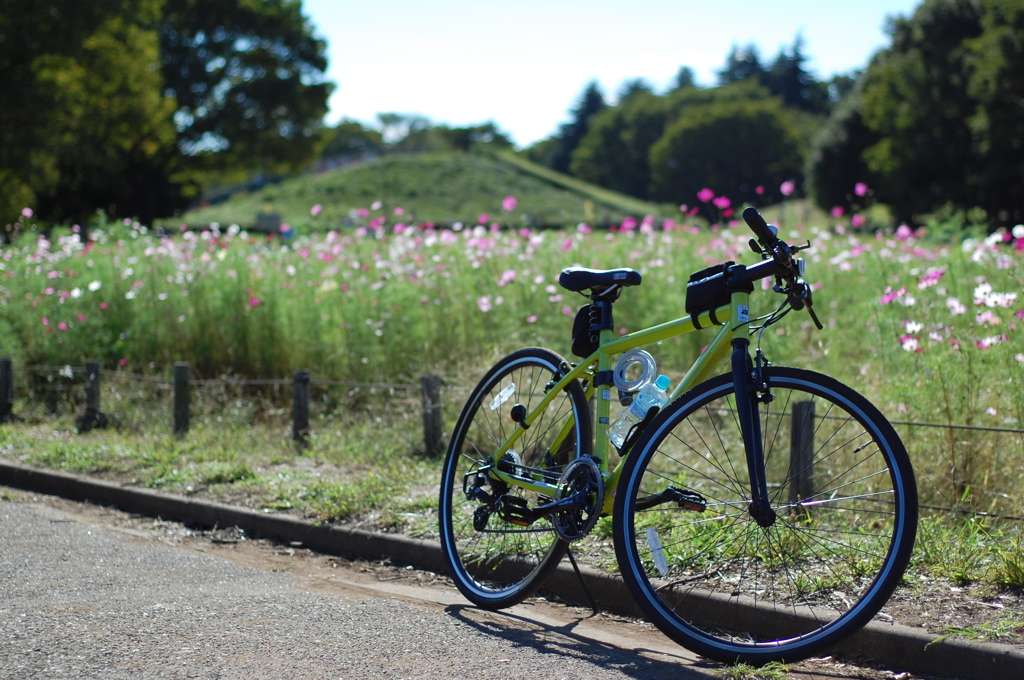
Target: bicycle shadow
565	641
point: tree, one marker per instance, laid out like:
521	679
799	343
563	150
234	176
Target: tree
729	146
248	78
570	134
835	163
115	149
741	64
124	105
916	101
788	79
997	84
476	136
351	139
633	86
613	154
42	47
685	77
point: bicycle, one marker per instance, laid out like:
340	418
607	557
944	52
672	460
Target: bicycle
745	532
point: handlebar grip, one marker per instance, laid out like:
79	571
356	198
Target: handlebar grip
766	233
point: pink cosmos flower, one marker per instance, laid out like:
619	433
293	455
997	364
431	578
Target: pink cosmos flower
568	311
507	277
857	220
363	212
904	233
46	322
759	190
62	326
628	224
722	202
837	211
484	303
399	211
531	319
705	195
509	204
583	228
787	188
567	244
860	189
315	210
987	317
26	212
483	218
930	278
254	301
891	294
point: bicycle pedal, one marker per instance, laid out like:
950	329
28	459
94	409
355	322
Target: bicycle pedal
688	500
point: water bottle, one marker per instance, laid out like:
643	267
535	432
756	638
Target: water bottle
652	394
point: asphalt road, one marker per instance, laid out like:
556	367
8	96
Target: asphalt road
89	592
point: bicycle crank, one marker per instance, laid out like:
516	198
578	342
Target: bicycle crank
582	488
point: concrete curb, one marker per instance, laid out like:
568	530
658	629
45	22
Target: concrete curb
891	645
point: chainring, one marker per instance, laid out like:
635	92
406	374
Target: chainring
580	476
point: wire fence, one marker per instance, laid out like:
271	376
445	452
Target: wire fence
961	468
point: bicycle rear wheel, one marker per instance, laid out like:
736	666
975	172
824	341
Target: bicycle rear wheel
495	561
724	586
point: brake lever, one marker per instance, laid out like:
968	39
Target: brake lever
808	302
803	299
814	317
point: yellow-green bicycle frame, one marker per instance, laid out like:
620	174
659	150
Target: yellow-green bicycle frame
609	347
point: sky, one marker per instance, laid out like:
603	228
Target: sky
523	65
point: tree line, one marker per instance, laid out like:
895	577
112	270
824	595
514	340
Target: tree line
131	106
935	122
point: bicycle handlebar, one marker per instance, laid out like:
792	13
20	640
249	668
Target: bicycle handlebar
779	262
766	233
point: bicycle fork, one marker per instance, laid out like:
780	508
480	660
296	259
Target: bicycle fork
747	388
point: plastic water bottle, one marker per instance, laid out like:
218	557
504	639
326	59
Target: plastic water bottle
652	394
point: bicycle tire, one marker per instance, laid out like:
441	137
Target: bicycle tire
723	586
506	563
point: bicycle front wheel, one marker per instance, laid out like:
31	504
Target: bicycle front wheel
731	588
498	559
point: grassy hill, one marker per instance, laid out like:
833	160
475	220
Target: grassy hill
442	188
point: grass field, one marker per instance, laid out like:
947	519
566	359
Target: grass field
929	330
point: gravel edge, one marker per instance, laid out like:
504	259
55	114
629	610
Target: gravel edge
894	646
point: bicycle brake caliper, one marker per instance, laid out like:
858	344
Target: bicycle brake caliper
760	385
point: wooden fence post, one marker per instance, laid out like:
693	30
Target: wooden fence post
801	452
6	390
181	398
433	421
300	407
93	417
